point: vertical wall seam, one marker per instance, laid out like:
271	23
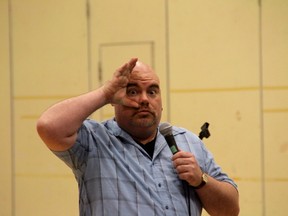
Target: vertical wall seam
167	56
261	98
12	128
89	56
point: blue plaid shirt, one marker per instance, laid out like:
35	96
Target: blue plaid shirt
117	177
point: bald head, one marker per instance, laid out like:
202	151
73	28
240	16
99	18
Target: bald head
145	71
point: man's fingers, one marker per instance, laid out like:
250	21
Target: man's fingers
182	154
129	103
115	88
132	63
184	161
127	68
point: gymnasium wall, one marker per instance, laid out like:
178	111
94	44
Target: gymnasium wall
222	62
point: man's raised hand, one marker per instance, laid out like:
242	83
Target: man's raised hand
115	89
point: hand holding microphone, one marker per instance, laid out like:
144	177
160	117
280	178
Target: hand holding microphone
185	162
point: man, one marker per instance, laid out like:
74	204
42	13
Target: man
124	166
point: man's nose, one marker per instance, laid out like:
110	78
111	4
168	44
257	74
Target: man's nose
143	99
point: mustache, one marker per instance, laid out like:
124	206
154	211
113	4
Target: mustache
144	109
141	109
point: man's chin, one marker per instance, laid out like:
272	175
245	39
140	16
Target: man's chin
143	122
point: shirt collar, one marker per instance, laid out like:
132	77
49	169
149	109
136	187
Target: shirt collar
114	129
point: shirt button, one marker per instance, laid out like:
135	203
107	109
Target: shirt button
159	185
167	207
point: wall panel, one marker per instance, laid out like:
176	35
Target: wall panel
214	44
6	189
214	64
50	64
50	41
275	104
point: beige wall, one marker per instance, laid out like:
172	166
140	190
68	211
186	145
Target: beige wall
224	62
6	180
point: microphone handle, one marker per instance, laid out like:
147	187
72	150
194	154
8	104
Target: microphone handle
171	143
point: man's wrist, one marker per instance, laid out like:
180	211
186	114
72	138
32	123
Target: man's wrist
204	181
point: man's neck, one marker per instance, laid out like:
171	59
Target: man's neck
144	141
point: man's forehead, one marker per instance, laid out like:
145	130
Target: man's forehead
144	72
137	85
144	76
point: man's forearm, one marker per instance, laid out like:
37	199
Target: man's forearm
219	198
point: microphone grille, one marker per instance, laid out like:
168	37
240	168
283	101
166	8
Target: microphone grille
165	129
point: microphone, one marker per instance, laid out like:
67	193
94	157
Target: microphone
166	130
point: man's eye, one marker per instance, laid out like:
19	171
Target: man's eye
131	92
153	92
